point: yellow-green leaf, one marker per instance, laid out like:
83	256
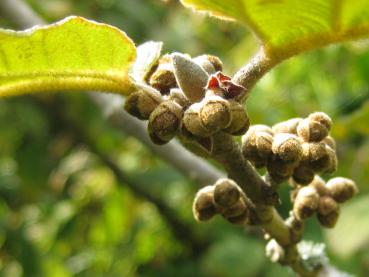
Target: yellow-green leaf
288	27
73	54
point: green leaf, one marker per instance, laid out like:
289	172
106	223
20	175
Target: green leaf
73	54
288	27
353	227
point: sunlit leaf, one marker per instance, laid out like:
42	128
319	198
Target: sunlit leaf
73	54
287	27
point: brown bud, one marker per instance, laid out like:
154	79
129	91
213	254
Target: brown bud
215	113
241	219
310	130
306	203
240	120
333	161
203	207
177	96
164	122
142	103
264	142
319	185
287	147
303	174
322	118
289	126
261	128
238	211
279	170
204	62
329	141
257	147
341	189
193	123
163	78
328	212
226	192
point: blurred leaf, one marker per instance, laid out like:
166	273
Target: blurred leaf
72	54
289	27
357	121
351	234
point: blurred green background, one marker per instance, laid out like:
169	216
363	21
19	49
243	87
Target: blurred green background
63	212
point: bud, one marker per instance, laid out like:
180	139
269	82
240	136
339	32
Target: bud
226	193
322	118
241	219
206	62
215	113
264	142
341	189
287	147
190	76
289	126
261	128
238	213
310	130
193	123
328	212
333	161
319	185
203	207
164	122
216	62
257	147
142	103
177	96
279	170
317	155
163	78
240	121
329	141
306	203
303	174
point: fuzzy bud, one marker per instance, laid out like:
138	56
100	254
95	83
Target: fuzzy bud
142	103
319	185
333	161
226	193
215	113
177	96
303	174
329	141
238	213
306	203
203	207
322	118
240	120
279	170
163	78
190	76
310	130
287	147
289	126
261	128
164	122
341	189
210	64
216	62
328	212
192	121
257	146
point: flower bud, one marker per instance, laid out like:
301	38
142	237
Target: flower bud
190	76
303	174
331	166
163	78
287	147
261	128
238	213
322	118
164	122
289	126
264	142
203	207
279	170
329	141
216	62
177	96
310	130
328	212
192	122
205	63
241	219
306	203
319	185
215	113
240	121
341	189
142	103
226	192
257	147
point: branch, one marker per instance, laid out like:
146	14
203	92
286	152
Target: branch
173	153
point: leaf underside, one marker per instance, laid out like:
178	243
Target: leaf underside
288	27
73	54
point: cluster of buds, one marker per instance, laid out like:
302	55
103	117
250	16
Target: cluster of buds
190	98
225	198
297	148
323	199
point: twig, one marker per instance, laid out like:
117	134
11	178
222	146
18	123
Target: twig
174	153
